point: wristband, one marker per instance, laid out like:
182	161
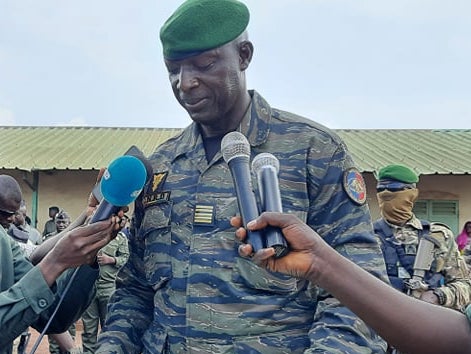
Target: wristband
441	296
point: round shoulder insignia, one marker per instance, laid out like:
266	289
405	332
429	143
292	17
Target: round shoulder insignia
354	186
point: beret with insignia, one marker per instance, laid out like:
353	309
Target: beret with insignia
399	173
200	25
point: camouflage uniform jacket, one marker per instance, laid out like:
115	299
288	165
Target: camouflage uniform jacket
185	289
117	248
447	261
27	300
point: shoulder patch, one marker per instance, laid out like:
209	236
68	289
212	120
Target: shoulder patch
354	186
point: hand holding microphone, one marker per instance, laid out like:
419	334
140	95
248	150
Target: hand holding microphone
236	152
266	167
120	185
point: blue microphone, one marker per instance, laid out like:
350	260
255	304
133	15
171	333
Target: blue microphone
236	152
120	185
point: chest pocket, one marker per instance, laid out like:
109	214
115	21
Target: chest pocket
248	274
156	233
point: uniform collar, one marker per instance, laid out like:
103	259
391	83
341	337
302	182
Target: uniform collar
255	126
413	222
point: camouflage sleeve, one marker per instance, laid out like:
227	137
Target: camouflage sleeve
449	262
122	253
346	226
130	308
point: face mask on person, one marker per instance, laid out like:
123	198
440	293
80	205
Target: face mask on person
396	207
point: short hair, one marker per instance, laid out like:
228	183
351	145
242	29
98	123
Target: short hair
61	215
55	208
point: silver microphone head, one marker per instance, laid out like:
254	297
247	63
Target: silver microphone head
234	144
265	159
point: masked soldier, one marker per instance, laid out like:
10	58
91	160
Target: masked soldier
422	258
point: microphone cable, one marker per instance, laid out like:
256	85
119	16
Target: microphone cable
43	332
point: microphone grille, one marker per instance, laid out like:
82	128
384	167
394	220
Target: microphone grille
234	144
265	159
123	180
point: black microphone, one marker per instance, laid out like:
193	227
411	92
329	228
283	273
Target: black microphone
236	152
266	167
120	185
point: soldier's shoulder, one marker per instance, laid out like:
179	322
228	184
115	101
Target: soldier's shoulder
307	127
441	228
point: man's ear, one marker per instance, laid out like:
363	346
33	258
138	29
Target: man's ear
245	53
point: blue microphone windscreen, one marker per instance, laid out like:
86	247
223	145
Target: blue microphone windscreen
123	180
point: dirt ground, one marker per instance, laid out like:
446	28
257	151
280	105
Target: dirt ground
44	346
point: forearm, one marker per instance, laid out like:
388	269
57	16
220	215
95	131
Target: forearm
64	340
50	269
22	304
392	314
43	249
132	299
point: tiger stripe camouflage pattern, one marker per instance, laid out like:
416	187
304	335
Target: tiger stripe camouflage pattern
185	289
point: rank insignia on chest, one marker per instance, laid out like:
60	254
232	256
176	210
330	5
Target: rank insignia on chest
354	186
158	181
153	191
204	215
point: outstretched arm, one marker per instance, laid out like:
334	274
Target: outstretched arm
410	325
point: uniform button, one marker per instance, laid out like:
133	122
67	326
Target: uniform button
42	303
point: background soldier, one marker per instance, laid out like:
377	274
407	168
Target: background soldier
110	258
50	225
422	258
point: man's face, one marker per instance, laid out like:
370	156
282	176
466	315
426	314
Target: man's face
208	85
7	213
62	220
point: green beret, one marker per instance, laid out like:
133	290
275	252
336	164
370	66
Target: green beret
200	25
398	173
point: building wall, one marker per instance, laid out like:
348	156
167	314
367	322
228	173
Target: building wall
70	189
436	187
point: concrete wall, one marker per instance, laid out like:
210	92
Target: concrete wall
70	189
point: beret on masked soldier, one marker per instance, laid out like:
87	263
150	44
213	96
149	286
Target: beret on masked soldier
200	25
397	192
397	174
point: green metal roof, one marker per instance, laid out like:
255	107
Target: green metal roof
426	151
73	148
87	148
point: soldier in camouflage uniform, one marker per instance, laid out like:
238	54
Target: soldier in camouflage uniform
184	287
435	273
